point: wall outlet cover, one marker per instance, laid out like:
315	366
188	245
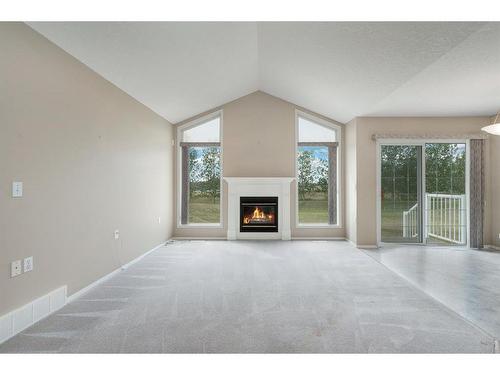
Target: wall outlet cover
15	268
28	264
117	234
17	189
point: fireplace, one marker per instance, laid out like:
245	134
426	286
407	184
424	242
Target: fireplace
258	214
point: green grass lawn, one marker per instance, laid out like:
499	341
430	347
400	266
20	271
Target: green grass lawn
392	222
314	209
311	211
204	210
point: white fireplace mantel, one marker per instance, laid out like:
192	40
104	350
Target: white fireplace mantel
258	187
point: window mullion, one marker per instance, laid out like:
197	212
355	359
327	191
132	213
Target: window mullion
184	183
332	184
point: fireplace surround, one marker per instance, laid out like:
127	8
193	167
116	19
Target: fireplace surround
259	188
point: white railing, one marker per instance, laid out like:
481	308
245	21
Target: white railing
410	222
446	217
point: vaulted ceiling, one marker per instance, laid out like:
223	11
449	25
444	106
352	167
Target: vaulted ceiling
339	69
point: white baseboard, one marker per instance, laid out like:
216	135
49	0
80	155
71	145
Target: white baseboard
292	238
492	247
365	247
18	320
318	239
190	238
86	289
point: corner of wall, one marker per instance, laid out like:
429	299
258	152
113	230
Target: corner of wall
351	180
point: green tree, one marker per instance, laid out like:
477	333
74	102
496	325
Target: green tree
445	168
210	171
305	173
322	176
194	170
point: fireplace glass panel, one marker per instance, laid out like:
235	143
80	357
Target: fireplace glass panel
258	214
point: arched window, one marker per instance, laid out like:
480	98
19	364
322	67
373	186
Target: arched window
199	156
317	171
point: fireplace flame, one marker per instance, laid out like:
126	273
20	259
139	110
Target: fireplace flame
258	215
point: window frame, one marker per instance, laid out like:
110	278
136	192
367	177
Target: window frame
178	154
338	129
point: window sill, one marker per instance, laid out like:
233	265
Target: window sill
200	225
318	226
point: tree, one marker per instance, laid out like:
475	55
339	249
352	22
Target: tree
210	171
445	168
305	173
322	175
194	170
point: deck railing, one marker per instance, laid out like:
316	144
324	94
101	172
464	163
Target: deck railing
446	218
410	222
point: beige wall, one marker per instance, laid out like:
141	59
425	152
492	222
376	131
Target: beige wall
267	124
366	153
92	160
350	181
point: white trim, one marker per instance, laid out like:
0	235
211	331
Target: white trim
361	246
467	189
378	200
428	137
25	316
418	141
338	130
191	238
318	239
258	186
191	124
297	238
86	289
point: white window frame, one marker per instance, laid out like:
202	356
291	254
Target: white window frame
420	142
338	129
180	129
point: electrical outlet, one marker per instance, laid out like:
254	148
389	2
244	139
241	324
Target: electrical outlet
15	268
159	219
28	264
17	189
117	234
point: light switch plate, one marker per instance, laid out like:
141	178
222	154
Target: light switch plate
28	264
15	268
117	234
17	189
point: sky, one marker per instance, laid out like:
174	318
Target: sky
318	152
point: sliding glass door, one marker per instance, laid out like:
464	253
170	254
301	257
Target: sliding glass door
445	193
401	208
423	193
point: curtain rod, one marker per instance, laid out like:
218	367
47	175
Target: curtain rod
430	136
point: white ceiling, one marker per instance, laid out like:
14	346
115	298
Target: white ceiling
340	70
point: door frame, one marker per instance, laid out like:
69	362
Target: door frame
419	142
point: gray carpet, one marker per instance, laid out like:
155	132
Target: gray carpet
254	297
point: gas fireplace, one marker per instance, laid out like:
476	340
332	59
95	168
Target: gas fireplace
258	214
